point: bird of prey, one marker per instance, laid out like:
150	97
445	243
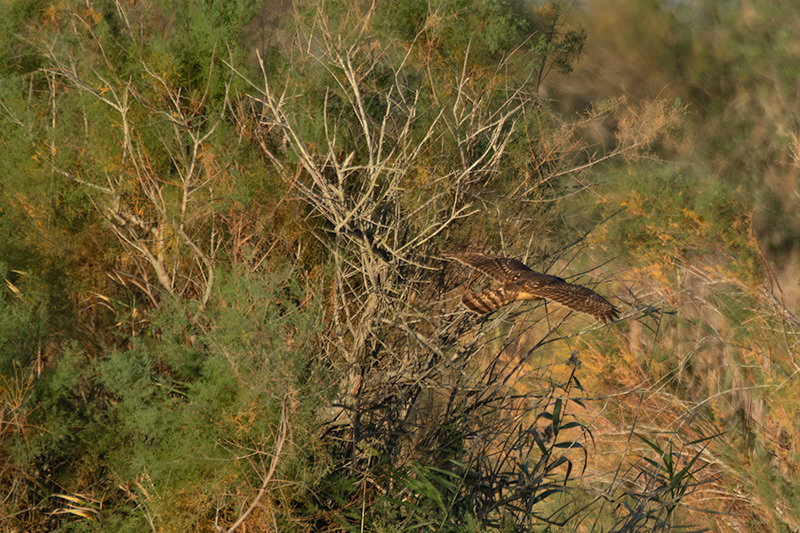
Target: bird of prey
518	282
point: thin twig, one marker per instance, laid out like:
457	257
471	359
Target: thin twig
282	434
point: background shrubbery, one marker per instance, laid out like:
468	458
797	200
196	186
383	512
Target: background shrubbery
225	303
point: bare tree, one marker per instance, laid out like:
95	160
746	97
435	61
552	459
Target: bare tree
162	214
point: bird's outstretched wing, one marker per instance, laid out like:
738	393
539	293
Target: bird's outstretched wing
518	282
577	298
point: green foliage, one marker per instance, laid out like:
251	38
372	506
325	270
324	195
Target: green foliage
175	421
676	216
484	33
511	487
23	322
673	474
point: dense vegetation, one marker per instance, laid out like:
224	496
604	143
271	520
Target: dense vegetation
226	304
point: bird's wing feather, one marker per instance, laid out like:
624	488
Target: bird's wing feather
488	301
577	298
503	269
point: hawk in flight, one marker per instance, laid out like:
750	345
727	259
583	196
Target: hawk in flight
519	282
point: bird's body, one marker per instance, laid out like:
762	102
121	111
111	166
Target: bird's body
521	283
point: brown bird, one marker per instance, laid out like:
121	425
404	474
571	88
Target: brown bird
521	283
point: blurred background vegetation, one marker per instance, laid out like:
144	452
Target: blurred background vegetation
225	303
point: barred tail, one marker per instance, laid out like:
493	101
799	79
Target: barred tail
488	301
